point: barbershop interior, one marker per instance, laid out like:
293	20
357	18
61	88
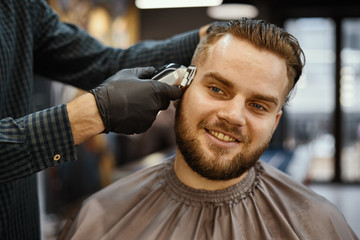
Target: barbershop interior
317	141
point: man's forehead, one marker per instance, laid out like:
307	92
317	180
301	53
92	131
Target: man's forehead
231	50
230	41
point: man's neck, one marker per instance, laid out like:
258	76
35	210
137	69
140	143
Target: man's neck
192	179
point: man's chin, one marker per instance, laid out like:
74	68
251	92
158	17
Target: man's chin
220	153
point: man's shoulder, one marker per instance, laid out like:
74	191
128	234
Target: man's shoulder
292	192
294	195
309	213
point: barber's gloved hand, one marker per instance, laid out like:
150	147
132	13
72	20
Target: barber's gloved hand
129	104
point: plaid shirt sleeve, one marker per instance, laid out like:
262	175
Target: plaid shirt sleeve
35	142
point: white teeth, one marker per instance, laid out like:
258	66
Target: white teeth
222	137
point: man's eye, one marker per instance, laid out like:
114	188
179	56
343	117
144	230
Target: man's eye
216	90
258	106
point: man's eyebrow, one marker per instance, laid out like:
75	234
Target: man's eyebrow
221	79
217	76
270	99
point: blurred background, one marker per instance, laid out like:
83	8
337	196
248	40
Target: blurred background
317	141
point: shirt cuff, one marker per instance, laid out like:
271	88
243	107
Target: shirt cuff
49	137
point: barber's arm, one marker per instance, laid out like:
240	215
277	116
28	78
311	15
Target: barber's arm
127	102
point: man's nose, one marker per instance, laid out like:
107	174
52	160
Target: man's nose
234	112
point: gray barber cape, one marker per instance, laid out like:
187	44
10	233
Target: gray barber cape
153	204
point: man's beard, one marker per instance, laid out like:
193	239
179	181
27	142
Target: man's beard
214	168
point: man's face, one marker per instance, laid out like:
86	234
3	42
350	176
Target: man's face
227	116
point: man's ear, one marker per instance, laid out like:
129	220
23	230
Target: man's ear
277	120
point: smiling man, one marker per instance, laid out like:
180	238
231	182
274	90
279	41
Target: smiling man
216	187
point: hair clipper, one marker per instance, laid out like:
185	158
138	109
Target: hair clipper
175	74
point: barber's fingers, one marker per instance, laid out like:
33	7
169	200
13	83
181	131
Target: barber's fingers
144	72
164	93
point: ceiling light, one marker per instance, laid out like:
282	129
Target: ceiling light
232	11
151	4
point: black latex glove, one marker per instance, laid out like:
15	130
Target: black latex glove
128	104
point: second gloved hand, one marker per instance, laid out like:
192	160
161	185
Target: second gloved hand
129	104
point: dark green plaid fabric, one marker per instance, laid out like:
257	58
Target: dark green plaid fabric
33	41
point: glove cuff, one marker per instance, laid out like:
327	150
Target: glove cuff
101	110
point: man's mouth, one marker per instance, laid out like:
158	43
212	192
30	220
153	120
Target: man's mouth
222	136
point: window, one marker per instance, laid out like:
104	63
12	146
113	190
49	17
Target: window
350	99
311	113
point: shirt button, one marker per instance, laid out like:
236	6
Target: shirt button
57	157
